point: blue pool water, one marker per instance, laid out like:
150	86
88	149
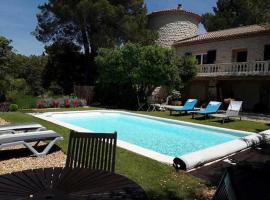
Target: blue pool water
164	137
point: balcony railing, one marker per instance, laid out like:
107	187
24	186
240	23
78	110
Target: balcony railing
256	68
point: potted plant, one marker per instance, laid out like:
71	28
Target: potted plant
175	99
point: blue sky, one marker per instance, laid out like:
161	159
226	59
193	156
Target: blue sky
18	19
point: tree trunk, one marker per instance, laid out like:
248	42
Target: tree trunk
85	42
88	60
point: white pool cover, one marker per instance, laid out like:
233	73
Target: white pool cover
199	158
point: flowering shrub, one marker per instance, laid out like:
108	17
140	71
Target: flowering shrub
67	103
40	104
75	103
64	102
56	104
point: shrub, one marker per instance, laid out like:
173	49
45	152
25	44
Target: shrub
48	103
64	102
56	104
13	107
40	104
23	101
82	102
67	103
75	103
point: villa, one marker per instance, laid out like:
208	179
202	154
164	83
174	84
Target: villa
232	63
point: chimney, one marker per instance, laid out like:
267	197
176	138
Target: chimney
180	7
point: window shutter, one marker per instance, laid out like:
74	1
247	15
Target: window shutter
267	52
211	56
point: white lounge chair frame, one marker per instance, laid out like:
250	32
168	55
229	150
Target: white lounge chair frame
233	111
162	107
140	105
14	128
33	139
151	102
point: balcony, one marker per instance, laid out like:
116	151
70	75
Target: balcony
255	68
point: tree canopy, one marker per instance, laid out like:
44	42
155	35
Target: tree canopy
93	24
235	13
135	70
19	73
5	51
64	67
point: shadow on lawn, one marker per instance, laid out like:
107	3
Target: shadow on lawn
164	194
179	115
261	130
216	120
7	154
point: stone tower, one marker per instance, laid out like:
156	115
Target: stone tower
174	25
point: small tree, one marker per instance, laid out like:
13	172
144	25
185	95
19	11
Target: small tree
139	70
187	69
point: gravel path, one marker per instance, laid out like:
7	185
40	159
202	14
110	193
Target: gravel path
3	122
56	159
19	158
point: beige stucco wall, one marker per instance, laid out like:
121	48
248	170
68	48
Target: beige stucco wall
173	27
255	46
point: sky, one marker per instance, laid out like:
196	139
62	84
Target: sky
18	19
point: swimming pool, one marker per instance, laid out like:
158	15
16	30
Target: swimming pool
165	137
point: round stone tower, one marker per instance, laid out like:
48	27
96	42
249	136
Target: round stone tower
174	25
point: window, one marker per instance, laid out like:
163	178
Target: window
198	58
201	58
240	55
206	58
267	52
188	54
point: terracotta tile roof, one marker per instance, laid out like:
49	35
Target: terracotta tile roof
226	34
175	11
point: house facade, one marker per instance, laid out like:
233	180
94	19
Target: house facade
232	63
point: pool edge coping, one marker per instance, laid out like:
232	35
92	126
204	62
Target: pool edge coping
125	145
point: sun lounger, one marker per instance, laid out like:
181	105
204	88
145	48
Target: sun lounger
232	111
24	127
7	140
140	104
151	102
163	106
211	108
188	106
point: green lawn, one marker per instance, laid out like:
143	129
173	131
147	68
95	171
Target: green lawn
160	181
